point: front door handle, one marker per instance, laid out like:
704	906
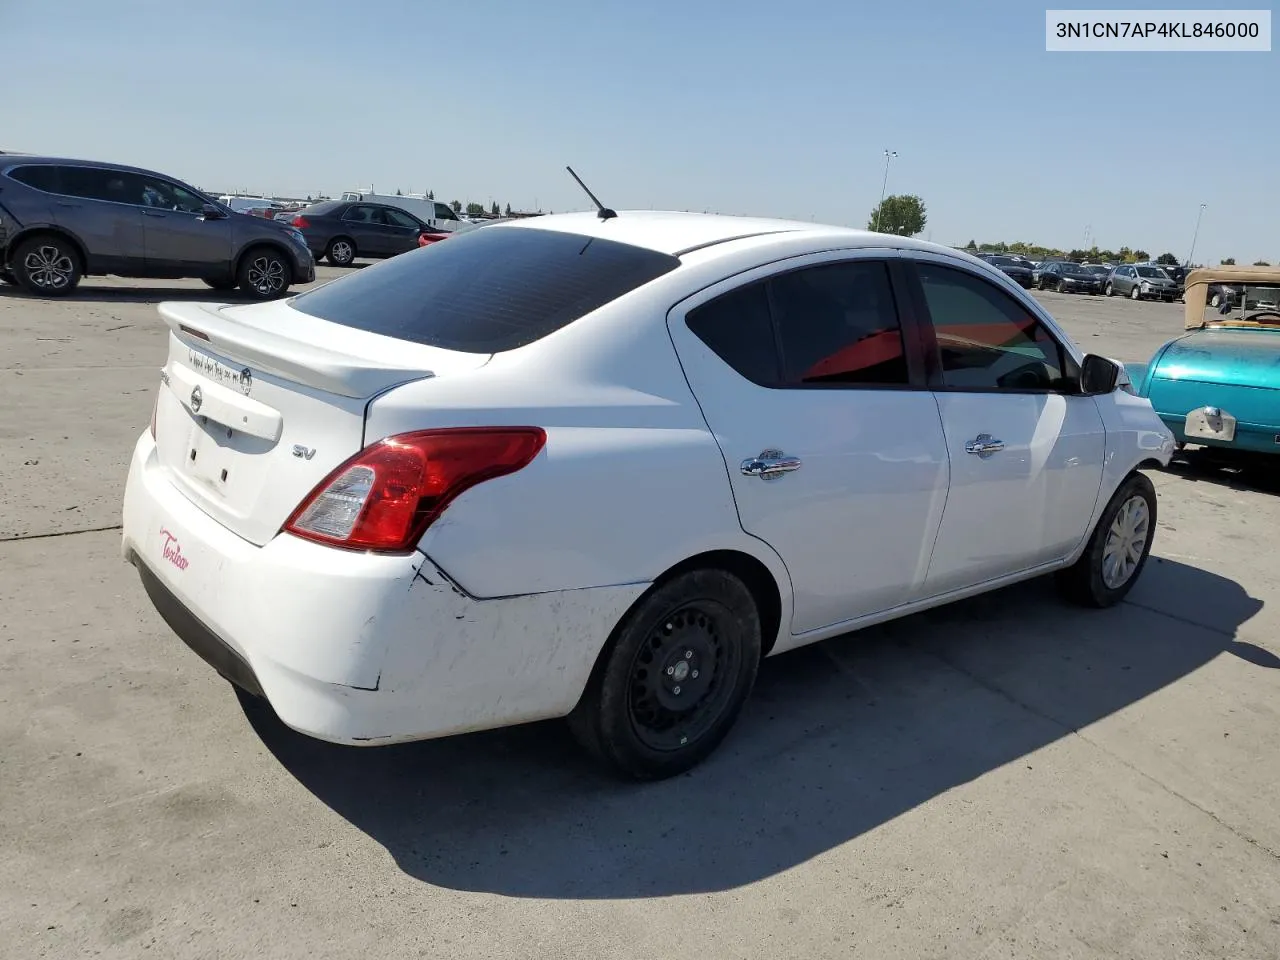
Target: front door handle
152	213
770	465
983	445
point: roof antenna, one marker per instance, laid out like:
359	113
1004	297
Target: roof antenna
602	211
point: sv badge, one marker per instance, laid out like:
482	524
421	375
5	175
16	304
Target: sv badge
303	453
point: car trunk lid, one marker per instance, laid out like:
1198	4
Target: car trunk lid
1234	357
253	412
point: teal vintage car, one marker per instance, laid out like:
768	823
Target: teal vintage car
1218	385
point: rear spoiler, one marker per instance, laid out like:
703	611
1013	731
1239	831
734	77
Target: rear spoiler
205	325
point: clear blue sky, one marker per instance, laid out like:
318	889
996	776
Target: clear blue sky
737	106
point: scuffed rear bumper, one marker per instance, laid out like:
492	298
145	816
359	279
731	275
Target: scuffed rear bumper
358	648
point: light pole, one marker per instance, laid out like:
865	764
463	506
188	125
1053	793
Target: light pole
884	183
1195	234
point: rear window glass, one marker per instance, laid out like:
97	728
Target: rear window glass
324	208
487	291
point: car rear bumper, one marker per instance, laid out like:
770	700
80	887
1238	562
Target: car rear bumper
358	648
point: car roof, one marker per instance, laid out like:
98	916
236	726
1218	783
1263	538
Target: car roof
23	160
675	233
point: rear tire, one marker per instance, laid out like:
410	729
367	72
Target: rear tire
1113	559
1108	290
341	252
47	266
264	273
673	678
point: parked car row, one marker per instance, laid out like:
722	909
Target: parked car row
1140	281
62	220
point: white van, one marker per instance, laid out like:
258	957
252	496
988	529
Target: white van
260	206
438	216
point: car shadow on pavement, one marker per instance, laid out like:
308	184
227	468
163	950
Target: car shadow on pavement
838	739
1259	473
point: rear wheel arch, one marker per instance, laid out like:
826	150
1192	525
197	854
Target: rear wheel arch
757	578
46	231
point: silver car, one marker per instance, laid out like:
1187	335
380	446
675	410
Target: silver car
61	220
1141	282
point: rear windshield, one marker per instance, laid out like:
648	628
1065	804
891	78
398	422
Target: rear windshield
323	207
489	290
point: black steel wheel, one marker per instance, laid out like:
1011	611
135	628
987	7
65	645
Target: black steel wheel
672	680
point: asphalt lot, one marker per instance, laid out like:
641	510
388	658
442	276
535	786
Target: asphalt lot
1009	776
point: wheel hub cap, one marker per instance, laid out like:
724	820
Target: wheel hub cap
1125	542
266	275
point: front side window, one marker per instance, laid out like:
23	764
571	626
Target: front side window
445	212
398	219
169	196
838	323
986	339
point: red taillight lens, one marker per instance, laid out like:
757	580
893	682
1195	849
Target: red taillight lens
386	496
300	222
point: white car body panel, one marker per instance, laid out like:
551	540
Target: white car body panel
499	615
855	524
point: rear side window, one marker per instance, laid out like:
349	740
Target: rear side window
41	177
487	291
739	330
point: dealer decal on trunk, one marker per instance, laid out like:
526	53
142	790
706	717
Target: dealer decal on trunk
211	368
172	550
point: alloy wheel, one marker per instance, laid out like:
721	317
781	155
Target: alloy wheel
1126	540
342	252
49	268
267	275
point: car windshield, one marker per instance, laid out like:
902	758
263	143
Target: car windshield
1252	303
1097	268
487	290
1154	273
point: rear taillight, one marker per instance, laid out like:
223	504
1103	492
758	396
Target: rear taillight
386	496
300	222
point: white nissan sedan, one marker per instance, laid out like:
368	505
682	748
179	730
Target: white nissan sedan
599	467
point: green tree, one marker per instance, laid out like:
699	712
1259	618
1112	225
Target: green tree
508	209
457	205
1261	263
495	210
1167	259
1228	262
903	216
398	193
1141	255
473	209
971	247
431	194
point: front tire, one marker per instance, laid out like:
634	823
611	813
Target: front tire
1117	549
1061	287
47	266
673	678
264	273
1135	293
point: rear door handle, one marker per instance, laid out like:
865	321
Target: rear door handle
770	465
152	213
72	206
983	445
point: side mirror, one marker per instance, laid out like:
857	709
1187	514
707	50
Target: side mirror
1098	375
210	212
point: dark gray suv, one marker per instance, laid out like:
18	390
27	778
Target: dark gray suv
61	220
